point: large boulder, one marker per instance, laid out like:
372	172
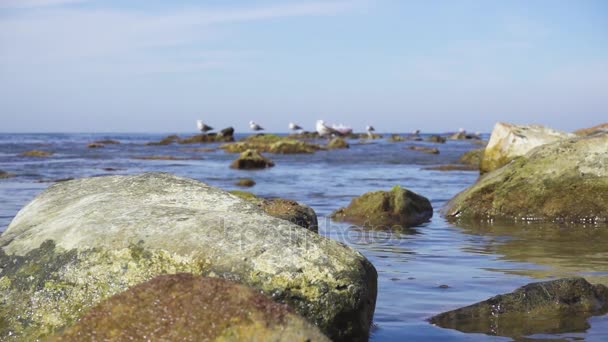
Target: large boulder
561	305
82	241
183	307
509	141
251	160
395	208
472	157
566	181
271	143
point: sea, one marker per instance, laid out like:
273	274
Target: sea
422	271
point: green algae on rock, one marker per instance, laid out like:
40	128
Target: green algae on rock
472	157
337	143
183	307
245	182
509	141
566	181
555	306
82	241
36	153
395	208
251	160
271	143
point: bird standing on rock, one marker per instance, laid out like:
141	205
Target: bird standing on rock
369	130
324	130
203	127
255	127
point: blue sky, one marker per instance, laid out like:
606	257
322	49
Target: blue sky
157	66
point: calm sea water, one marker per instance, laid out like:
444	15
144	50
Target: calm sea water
474	261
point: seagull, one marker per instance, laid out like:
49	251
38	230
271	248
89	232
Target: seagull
416	132
324	130
294	127
203	127
254	126
369	130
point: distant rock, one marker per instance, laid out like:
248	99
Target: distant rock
83	241
564	181
205	138
4	174
164	157
436	139
464	136
271	143
245	182
601	128
395	138
226	132
250	160
337	143
106	142
429	150
555	306
36	153
95	145
509	141
168	140
397	207
182	306
472	157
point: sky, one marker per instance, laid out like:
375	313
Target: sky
158	66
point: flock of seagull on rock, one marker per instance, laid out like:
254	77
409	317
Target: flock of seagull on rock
321	127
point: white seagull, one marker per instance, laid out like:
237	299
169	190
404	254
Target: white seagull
294	127
203	127
416	132
369	130
325	130
254	126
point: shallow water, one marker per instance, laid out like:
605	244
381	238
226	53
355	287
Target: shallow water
475	261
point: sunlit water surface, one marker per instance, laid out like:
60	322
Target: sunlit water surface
475	261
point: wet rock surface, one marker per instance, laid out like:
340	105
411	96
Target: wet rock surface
555	306
272	144
80	242
251	160
395	208
183	307
566	181
337	143
4	174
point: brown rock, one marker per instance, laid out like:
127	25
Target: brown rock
250	160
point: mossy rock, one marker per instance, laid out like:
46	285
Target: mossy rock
452	167
472	157
429	150
395	208
83	241
436	139
271	143
183	307
550	307
245	182
251	160
396	138
566	181
205	138
337	143
168	140
36	153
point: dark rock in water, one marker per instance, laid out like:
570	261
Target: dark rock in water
106	142
184	307
292	211
168	140
565	181
4	174
251	160
205	138
246	182
271	143
395	138
36	153
436	139
83	241
95	145
398	207
556	306
337	143
429	150
226	132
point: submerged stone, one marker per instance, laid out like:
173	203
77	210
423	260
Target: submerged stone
36	153
245	182
397	207
250	160
4	174
183	307
82	241
555	306
429	150
566	181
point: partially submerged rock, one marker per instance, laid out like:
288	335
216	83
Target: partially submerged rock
106	142
36	153
4	174
436	139
95	145
555	306
337	143
164	157
510	141
472	157
429	150
246	182
396	138
250	160
82	241
226	132
566	181
272	144
292	211
452	167
182	306
395	208
168	140
205	138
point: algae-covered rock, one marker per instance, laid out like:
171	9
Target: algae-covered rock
566	181
436	139
429	150
509	141
272	144
397	207
337	143
555	306
601	128
292	211
245	182
472	157
36	153
396	138
205	138
183	307
82	241
168	140
250	160
452	167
